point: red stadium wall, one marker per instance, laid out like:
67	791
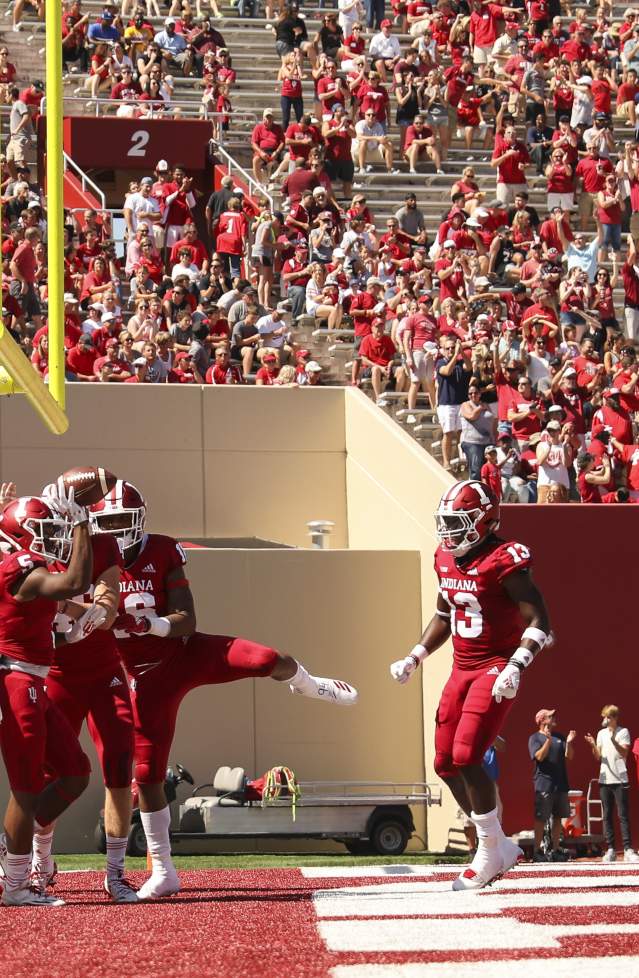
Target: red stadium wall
585	562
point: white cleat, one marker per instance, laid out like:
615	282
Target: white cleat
609	856
120	890
630	856
334	691
43	875
159	885
29	896
489	865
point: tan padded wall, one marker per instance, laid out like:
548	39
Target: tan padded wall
212	462
393	487
339	613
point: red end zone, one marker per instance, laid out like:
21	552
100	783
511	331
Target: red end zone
300	924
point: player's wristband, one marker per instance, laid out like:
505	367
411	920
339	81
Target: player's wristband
160	627
535	635
418	654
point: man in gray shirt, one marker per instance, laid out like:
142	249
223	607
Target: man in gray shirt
411	219
21	132
533	87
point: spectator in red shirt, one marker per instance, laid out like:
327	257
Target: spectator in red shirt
593	475
510	159
484	29
626	94
23	272
265	376
81	359
591	171
232	234
197	248
491	470
112	368
267	142
222	371
378	353
179	202
612	417
420	143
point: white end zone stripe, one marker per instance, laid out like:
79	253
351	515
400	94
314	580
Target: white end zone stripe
465	934
565	870
523	968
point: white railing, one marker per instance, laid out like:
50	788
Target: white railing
255	189
188	109
85	180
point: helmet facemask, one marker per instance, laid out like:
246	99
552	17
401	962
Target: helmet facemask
457	531
126	525
51	538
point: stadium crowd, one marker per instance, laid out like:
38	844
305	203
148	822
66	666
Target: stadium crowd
503	317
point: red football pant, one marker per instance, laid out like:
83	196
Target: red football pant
34	734
107	710
156	695
468	719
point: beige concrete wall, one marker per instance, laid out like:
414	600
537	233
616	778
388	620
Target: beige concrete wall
325	609
212	462
393	487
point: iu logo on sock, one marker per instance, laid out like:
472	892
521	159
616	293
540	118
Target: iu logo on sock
33	694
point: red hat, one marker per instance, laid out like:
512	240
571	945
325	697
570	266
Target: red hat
110	343
378	321
386	23
611	392
302	353
270	358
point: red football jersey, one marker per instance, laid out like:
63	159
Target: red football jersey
25	626
98	652
486	625
143	588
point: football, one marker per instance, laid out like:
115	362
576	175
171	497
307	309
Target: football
90	483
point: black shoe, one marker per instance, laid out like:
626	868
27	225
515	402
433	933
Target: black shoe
560	856
539	856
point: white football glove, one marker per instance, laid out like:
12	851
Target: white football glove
507	683
92	618
403	669
63	501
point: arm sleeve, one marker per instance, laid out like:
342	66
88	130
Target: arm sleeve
510	558
534	744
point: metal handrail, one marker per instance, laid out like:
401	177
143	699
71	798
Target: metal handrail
254	187
86	181
195	107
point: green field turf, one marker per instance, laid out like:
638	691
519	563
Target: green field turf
255	861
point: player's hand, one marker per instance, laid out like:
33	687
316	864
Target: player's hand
133	624
92	618
7	493
63	501
403	669
507	683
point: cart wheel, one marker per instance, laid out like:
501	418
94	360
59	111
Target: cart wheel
99	838
136	845
389	837
358	847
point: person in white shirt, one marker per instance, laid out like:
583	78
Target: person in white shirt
143	210
371	138
611	749
554	455
384	50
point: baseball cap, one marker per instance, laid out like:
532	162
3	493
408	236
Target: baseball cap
378	321
318	191
325	216
238	192
267	112
313	367
570	372
162	165
449	244
472	223
69	298
85	340
584	80
483	281
490	448
386	23
556	408
270	358
301	354
552	253
108	15
169	20
38	85
543	715
139	362
339	253
611	392
147	180
600	115
33	203
108	317
110	344
553	426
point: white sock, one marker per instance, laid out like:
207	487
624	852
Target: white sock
156	828
489	830
18	870
302	680
116	851
42	845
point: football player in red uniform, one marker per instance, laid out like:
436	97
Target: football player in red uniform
166	657
87	682
33	733
496	616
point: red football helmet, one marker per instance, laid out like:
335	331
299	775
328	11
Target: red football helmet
30	523
122	513
467	513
